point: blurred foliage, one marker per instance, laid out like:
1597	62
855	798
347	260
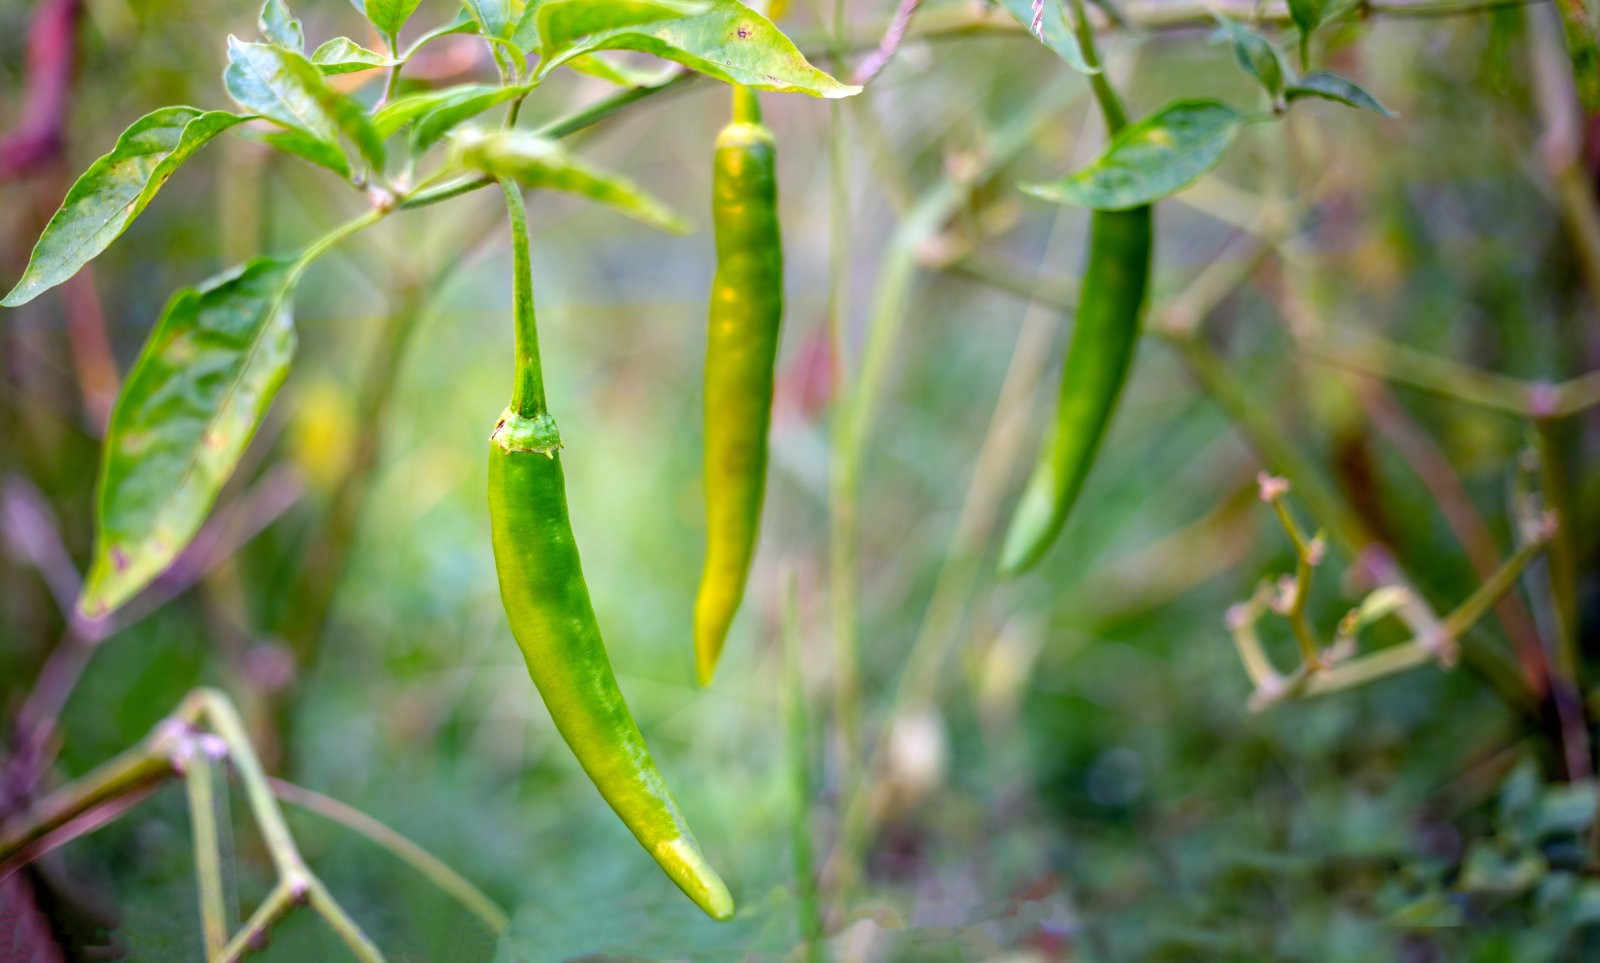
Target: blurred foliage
1091	785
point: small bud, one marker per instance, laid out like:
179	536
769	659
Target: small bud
1288	592
1272	487
1317	547
1237	616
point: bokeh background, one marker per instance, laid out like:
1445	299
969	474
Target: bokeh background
1076	774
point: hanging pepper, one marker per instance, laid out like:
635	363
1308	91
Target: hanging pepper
547	604
741	347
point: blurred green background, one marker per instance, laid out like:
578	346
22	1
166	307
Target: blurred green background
1087	782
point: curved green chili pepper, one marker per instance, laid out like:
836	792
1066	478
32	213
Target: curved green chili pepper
547	604
741	347
1103	341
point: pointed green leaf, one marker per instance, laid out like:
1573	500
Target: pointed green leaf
535	161
1055	32
564	23
444	117
729	42
303	145
341	55
493	16
1255	54
397	113
184	416
389	15
279	26
1307	15
1331	86
113	191
1146	161
284	86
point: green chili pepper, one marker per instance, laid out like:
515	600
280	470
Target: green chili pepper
1103	341
547	604
741	347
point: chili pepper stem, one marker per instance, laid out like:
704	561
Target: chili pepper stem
527	391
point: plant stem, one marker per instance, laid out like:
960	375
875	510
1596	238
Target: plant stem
1563	551
1381	358
197	774
142	766
527	392
854	419
394	70
426	864
1110	104
798	725
746	106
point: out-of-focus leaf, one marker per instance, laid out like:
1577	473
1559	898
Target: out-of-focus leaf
286	87
280	26
442	118
184	416
1567	808
341	55
113	191
493	16
730	42
1056	32
305	146
1307	16
1431	911
1488	869
564	23
389	15
1151	159
539	162
1331	86
1255	54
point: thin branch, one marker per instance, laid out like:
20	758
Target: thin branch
52	54
425	863
1380	358
197	774
892	36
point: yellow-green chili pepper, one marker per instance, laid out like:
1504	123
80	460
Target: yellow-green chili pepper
547	604
741	347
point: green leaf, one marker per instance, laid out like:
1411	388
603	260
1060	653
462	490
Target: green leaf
729	42
184	416
341	55
493	16
1055	32
1255	54
444	117
1307	16
564	23
303	145
389	15
113	191
1566	808
285	87
619	73
1146	161
397	113
535	161
280	26
1331	86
